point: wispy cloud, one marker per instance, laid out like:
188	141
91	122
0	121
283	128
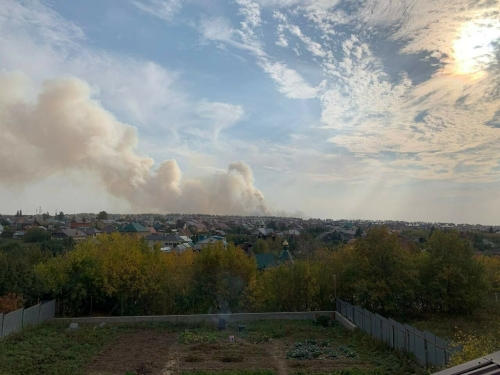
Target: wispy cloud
164	9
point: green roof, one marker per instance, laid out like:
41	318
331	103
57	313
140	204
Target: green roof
265	261
134	228
285	255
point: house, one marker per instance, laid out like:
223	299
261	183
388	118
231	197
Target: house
135	229
182	247
108	229
18	235
209	241
164	241
152	230
329	236
100	224
79	223
1	228
488	364
185	232
24	223
76	234
91	232
262	232
265	261
486	243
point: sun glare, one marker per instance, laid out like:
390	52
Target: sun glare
473	49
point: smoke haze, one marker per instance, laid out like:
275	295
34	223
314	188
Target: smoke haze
61	128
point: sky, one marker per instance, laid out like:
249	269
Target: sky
369	109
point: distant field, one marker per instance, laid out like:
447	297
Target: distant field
262	348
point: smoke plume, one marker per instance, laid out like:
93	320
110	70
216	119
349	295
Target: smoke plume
62	128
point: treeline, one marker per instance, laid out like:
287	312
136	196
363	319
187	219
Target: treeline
123	275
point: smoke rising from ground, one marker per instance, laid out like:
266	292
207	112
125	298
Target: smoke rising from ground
61	128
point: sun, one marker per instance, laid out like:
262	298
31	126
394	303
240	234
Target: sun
473	49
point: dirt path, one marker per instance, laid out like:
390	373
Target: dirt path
278	353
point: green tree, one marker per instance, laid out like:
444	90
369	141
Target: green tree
381	276
222	278
491	230
287	288
8	232
359	232
34	235
452	279
432	231
103	215
60	217
273	225
260	247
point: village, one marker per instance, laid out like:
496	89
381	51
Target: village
272	240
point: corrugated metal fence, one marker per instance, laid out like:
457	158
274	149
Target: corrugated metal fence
429	349
16	320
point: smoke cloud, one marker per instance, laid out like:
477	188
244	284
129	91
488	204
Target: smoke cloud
61	128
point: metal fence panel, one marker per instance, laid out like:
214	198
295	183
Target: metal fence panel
1	325
337	305
379	329
375	324
12	322
350	312
31	316
392	333
358	317
401	341
47	310
385	330
367	323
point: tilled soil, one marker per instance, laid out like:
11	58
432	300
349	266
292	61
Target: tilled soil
145	352
154	353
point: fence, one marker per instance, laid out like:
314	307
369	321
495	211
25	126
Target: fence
427	347
17	320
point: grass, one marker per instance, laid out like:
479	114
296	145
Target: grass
447	327
203	372
52	349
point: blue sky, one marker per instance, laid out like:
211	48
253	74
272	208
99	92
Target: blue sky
370	109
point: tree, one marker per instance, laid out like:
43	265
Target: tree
432	231
8	232
60	217
359	232
491	230
221	278
452	279
381	276
34	235
103	215
260	247
273	225
287	288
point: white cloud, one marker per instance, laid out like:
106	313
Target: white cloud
289	81
220	115
216	28
164	9
251	12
